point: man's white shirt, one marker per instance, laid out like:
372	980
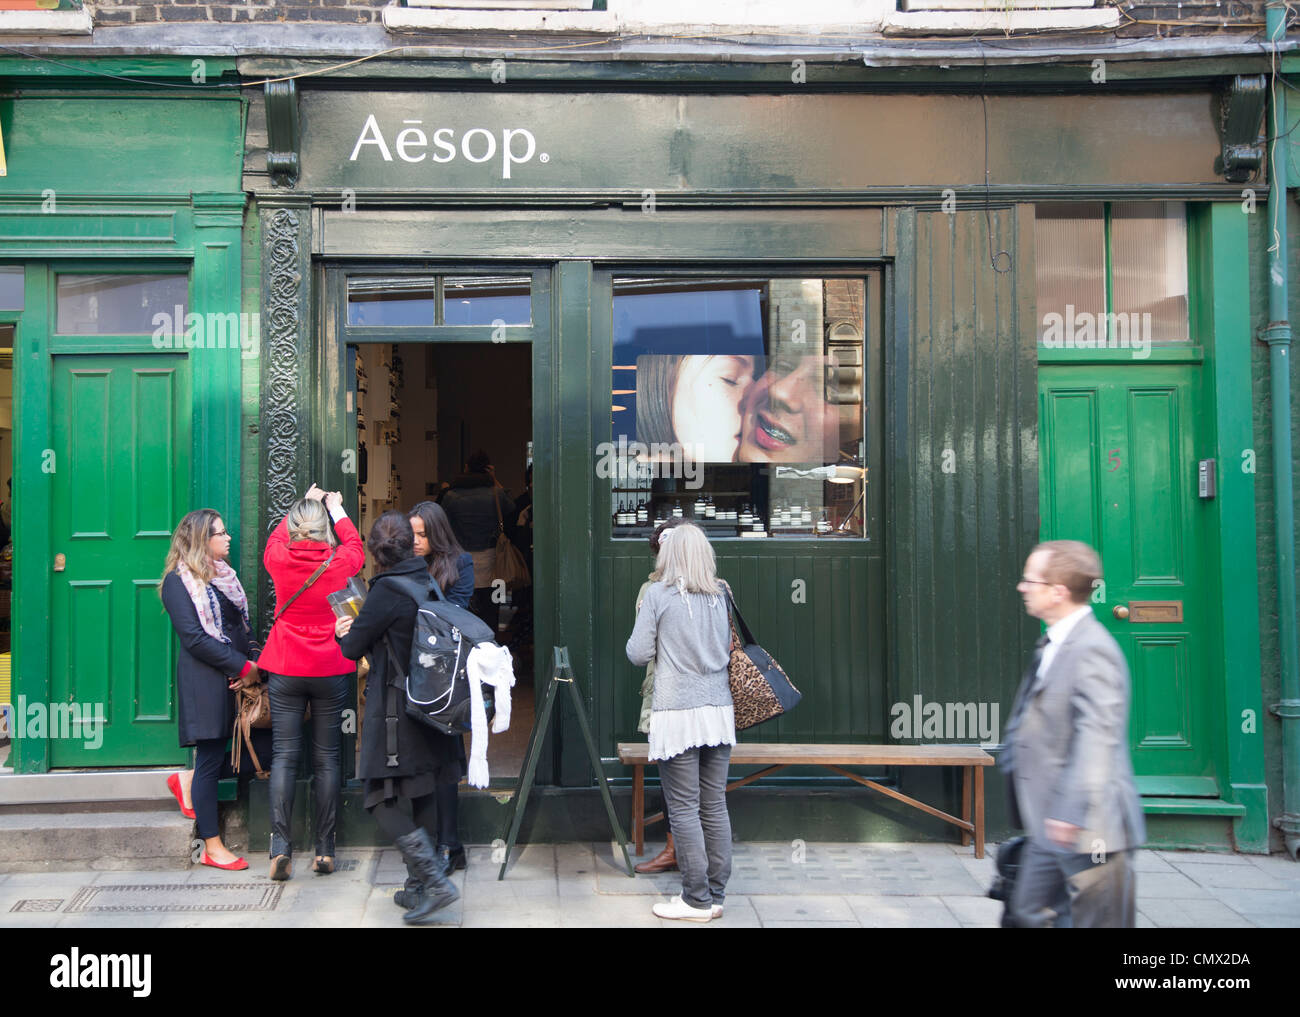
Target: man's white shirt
1056	636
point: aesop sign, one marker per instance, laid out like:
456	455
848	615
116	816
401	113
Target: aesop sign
623	144
413	143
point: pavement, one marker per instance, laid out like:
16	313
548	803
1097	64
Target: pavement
773	885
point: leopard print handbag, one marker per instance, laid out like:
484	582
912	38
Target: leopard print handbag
760	688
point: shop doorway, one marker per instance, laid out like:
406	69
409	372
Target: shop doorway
423	412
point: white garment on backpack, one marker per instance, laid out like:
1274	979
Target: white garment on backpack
488	664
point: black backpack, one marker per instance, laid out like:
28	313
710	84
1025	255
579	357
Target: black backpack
435	683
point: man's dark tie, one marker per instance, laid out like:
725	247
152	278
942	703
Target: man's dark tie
1005	761
1032	671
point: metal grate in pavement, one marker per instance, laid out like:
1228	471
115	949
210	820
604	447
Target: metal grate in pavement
176	897
38	904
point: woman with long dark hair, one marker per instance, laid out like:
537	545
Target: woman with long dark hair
209	611
452	568
307	563
693	401
424	758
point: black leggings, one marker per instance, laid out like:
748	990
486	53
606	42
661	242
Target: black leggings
435	812
211	764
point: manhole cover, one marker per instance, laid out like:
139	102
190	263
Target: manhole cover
177	897
38	904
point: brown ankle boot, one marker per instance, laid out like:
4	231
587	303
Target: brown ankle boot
664	861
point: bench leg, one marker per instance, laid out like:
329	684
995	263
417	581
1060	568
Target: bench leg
979	811
965	801
638	808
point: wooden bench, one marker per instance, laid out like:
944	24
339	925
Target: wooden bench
774	757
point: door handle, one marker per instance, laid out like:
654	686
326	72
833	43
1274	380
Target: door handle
60	562
1120	611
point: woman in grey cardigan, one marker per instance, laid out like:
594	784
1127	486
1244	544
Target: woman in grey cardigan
683	626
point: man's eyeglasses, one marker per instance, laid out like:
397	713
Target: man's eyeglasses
1036	582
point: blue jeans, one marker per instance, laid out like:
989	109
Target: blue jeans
695	791
289	698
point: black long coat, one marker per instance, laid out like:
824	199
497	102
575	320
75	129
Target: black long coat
206	706
420	749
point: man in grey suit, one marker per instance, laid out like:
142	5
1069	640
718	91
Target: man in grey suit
1066	756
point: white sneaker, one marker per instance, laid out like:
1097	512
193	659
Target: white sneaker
717	910
678	908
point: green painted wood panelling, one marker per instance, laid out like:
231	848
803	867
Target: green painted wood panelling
132	142
772	234
1221	263
963	455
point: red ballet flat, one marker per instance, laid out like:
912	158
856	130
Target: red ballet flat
234	866
174	786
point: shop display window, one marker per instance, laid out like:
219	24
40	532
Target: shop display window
738	403
119	304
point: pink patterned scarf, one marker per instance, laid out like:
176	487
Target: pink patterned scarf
205	599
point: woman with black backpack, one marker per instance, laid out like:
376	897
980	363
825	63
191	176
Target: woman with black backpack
423	758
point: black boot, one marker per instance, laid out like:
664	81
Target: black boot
452	860
409	895
420	857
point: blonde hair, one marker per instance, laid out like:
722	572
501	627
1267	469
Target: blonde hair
190	545
310	520
1072	564
686	561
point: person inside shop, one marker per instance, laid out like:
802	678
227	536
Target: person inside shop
209	611
304	667
666	860
683	626
400	786
478	509
453	570
788	415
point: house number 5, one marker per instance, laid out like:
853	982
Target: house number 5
1114	460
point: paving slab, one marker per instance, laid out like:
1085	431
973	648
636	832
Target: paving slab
802	908
1172	913
898	913
1243	876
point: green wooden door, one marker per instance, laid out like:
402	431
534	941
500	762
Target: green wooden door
121	425
1120	445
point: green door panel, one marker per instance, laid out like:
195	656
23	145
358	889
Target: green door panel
1119	471
122	448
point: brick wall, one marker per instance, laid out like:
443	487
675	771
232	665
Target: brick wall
126	12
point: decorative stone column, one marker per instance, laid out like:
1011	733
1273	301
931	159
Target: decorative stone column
286	350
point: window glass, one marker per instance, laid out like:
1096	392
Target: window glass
400	300
1149	278
120	304
1112	276
738	403
11	287
1070	262
487	300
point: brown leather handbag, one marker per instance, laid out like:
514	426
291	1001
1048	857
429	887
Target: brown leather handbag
510	565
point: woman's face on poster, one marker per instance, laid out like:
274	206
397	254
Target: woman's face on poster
786	415
706	405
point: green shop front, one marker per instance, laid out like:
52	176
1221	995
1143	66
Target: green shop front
121	225
874	366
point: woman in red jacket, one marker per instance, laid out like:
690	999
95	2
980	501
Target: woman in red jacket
305	665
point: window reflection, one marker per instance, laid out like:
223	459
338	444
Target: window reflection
718	381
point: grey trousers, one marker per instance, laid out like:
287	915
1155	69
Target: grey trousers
695	785
1056	889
